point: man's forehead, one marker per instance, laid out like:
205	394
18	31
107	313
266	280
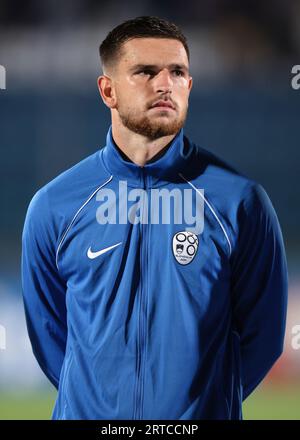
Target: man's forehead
149	51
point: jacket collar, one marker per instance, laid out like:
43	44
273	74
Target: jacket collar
159	172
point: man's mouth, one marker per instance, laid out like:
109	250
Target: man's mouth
165	105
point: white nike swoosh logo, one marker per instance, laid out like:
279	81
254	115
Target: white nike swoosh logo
93	255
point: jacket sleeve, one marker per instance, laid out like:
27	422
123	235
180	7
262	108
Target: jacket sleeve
259	287
42	288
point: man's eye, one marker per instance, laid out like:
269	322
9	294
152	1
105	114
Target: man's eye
178	72
147	72
150	72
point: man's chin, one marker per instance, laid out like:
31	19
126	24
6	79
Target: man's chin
160	129
155	127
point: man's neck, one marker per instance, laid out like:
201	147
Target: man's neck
139	149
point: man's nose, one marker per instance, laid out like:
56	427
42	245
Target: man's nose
163	81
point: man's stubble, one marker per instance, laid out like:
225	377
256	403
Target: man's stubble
152	128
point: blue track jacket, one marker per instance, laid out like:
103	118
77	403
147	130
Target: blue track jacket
146	319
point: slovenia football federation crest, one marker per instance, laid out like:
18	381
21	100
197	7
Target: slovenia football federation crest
185	246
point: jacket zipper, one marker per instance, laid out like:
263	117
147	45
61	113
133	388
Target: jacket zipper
142	308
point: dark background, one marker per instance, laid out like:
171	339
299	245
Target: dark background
242	107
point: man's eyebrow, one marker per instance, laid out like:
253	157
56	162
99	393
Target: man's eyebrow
155	67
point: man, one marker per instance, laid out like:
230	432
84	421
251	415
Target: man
135	313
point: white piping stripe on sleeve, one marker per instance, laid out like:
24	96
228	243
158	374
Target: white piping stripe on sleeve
74	218
212	210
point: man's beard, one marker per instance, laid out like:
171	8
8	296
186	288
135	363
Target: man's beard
151	128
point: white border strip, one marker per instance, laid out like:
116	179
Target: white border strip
212	210
74	218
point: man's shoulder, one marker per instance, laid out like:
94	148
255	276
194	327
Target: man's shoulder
88	171
232	196
219	178
69	189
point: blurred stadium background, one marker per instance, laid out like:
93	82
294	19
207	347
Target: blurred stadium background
242	107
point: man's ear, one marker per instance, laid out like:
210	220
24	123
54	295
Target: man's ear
106	90
190	83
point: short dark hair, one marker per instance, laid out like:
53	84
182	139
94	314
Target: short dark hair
139	27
